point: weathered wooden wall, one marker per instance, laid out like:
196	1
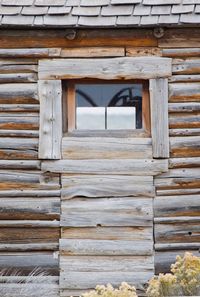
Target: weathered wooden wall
93	240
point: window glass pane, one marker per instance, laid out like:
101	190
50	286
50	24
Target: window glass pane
121	103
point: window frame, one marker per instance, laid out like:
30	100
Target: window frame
69	110
52	72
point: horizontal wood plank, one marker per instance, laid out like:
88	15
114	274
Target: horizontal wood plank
124	211
105	247
186	66
29	208
106	148
185	146
113	186
18	93
103	166
89	52
176	206
108	233
184	92
118	68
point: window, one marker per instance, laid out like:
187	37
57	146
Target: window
107	106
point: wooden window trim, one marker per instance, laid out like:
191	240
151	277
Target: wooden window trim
69	111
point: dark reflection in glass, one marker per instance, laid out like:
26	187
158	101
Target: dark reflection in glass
111	95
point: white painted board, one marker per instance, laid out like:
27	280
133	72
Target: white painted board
121	118
90	118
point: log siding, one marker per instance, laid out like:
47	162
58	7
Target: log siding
32	229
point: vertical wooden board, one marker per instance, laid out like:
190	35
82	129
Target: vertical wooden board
159	117
50	119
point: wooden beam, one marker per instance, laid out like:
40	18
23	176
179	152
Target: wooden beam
159	117
83	38
50	94
116	68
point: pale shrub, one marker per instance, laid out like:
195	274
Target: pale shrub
125	290
183	281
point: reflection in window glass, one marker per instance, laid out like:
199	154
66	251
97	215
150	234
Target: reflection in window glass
108	106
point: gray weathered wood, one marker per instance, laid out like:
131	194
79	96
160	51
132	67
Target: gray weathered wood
185	146
186	107
177	232
159	117
106	264
185	78
19	133
18	93
117	68
181	92
106	148
29	223
176	246
29	208
108	233
190	66
50	93
104	166
105	247
18	148
118	212
30	193
181	52
19	164
171	206
106	186
18	77
184	132
184	162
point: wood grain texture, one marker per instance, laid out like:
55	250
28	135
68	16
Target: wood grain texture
88	280
105	247
185	146
84	38
28	236
185	78
50	119
184	132
18	77
143	51
117	212
177	232
18	93
88	52
28	180
106	148
118	68
27	261
102	267
29	208
177	206
108	233
186	66
18	148
159	117
184	162
106	186
181	52
104	166
184	108
180	38
184	92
